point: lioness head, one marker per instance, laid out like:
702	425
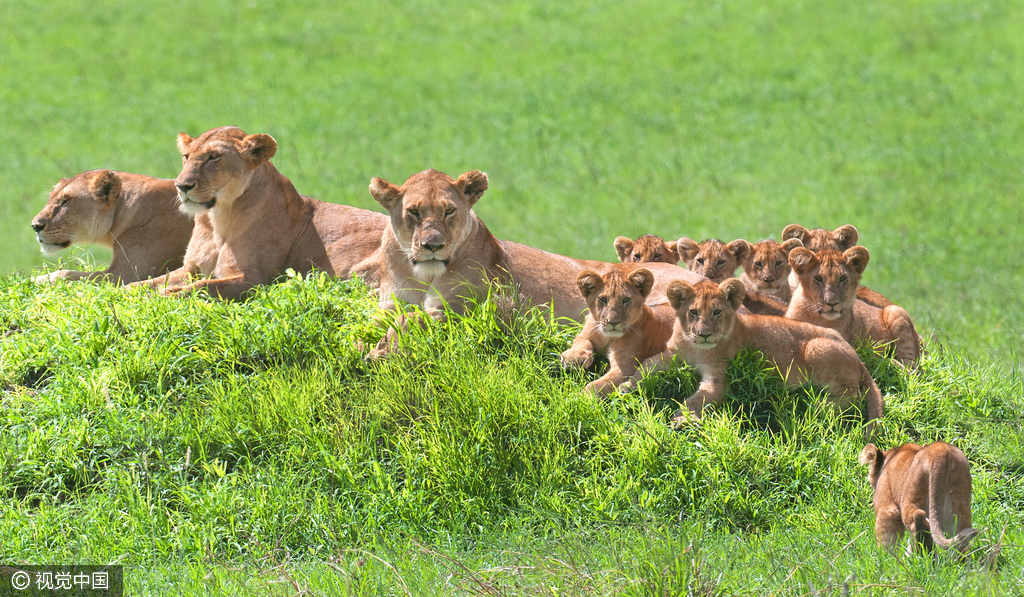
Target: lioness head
431	215
616	300
819	239
712	258
829	278
706	311
80	211
767	264
649	248
218	166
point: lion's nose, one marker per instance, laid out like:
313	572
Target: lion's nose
769	279
185	187
433	248
38	227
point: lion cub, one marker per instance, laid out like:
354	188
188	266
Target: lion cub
827	296
766	268
618	318
708	333
649	248
712	258
926	491
840	239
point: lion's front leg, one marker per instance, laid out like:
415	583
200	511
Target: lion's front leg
709	393
226	288
584	346
389	343
175	279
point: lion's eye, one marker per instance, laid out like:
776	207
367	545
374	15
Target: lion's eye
603	300
717	312
657	256
700	260
818	280
842	279
778	263
449	212
64	202
212	157
694	312
413	212
720	263
637	257
184	157
625	301
758	264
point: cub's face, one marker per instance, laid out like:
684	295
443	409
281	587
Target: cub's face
819	239
706	311
616	300
649	248
217	167
431	216
712	258
767	264
829	278
79	211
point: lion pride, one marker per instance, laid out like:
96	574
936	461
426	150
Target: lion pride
252	225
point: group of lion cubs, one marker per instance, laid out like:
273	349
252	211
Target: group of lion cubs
797	302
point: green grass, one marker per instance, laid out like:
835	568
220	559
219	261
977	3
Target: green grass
224	449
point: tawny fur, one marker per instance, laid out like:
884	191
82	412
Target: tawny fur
619	321
708	333
766	268
435	250
134	216
649	248
827	296
923	490
712	258
840	239
251	225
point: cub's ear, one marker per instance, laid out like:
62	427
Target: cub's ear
623	246
105	185
857	258
387	194
791	244
795	231
184	141
472	184
589	282
679	294
643	281
802	259
734	292
687	248
845	236
739	249
673	250
257	149
870	454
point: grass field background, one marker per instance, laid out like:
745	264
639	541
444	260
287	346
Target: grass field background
226	449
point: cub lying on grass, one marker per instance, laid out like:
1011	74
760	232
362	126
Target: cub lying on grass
619	319
827	296
766	268
649	248
134	216
840	239
708	333
926	491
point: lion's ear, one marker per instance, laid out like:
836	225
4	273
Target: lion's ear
679	293
739	249
623	246
105	185
643	281
687	248
472	184
673	250
184	141
845	236
791	244
589	282
734	292
857	258
257	149
795	231
802	259
871	456
385	193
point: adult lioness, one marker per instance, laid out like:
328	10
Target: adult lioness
712	258
435	250
252	225
135	216
649	248
840	239
827	296
619	320
708	333
766	268
926	491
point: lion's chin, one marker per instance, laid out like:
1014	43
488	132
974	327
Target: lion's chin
428	271
50	249
831	315
194	208
705	345
613	333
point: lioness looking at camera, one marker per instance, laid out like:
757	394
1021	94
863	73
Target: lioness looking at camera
134	216
436	251
252	225
827	296
708	333
926	491
618	319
